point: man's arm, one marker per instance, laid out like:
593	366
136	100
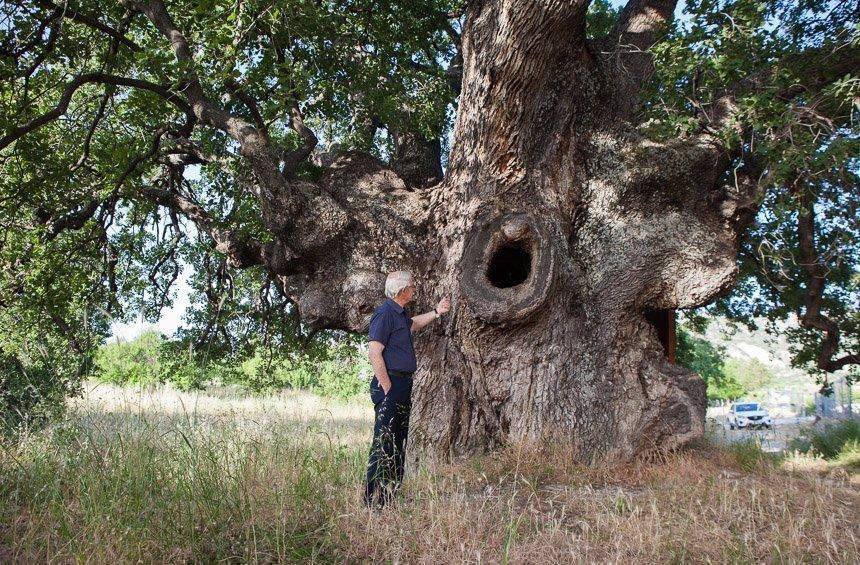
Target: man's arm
378	365
422	320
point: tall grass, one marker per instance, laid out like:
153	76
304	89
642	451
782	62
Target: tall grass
148	481
169	477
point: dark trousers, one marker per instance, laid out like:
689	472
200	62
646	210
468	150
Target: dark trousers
387	452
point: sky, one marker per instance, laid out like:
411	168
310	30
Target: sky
170	319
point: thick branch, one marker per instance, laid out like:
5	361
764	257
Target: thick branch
625	50
816	272
72	221
241	252
378	205
308	143
182	151
252	141
249	103
66	98
454	72
642	22
285	212
309	139
416	159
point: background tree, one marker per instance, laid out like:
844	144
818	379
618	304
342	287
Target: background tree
574	200
709	361
752	374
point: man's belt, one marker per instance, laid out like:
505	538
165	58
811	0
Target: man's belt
399	374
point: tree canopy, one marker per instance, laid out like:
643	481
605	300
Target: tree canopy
128	132
110	182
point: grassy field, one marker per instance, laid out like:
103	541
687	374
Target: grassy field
162	476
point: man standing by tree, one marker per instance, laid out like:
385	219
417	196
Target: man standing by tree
393	358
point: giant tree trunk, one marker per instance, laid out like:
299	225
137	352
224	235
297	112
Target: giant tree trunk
557	227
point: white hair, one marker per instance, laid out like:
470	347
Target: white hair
397	281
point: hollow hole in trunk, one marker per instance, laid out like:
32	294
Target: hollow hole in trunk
664	322
509	266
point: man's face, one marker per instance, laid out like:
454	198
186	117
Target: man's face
408	294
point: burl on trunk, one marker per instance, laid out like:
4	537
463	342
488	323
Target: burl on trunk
556	229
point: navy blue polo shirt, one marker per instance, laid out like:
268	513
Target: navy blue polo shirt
390	325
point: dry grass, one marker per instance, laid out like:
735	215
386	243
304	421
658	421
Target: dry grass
149	477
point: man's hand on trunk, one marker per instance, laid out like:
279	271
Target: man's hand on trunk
422	320
444	305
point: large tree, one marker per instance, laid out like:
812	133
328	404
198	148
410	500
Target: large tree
567	220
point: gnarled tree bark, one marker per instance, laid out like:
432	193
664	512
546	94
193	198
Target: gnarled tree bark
558	226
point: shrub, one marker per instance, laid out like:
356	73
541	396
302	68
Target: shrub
338	369
185	374
749	455
849	457
839	441
150	359
135	362
220	372
40	366
342	371
30	394
832	439
342	379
